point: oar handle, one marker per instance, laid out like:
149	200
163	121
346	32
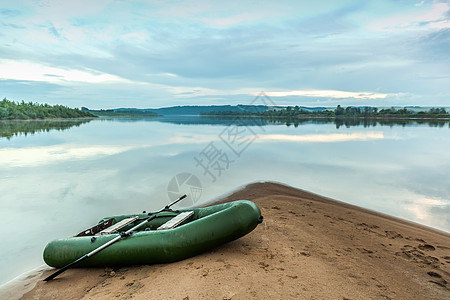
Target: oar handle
176	201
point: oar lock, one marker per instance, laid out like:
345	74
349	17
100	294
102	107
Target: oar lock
125	234
122	234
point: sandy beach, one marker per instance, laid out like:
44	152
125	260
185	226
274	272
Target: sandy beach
308	247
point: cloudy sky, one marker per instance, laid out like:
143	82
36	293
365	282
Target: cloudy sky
117	53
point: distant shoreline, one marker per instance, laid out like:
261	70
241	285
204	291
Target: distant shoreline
316	116
10	110
339	113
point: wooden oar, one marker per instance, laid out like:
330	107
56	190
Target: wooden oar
121	236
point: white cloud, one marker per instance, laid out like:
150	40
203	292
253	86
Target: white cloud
329	94
61	12
30	71
183	91
223	14
237	19
434	18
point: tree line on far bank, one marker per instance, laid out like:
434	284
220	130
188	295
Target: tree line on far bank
340	111
10	110
374	111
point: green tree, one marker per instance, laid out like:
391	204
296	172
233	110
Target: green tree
339	111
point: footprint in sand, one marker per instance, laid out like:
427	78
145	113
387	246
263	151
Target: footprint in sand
263	265
412	253
437	279
434	274
427	247
134	286
368	226
364	250
393	234
443	247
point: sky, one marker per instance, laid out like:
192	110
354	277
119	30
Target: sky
150	54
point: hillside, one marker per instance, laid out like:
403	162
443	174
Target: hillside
195	110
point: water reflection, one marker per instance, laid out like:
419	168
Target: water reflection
349	122
323	138
39	156
295	122
11	128
64	180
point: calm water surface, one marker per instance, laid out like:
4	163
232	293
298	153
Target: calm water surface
56	182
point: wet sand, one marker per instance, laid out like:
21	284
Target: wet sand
308	247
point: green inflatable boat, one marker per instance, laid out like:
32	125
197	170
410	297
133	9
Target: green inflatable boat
170	235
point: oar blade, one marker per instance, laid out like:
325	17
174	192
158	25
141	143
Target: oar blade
63	269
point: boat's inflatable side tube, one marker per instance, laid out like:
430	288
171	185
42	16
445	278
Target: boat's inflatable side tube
215	225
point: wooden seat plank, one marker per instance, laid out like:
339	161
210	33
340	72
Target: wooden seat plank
118	226
176	220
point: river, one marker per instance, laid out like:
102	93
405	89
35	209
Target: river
59	177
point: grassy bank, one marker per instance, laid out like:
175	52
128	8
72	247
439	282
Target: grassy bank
10	110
